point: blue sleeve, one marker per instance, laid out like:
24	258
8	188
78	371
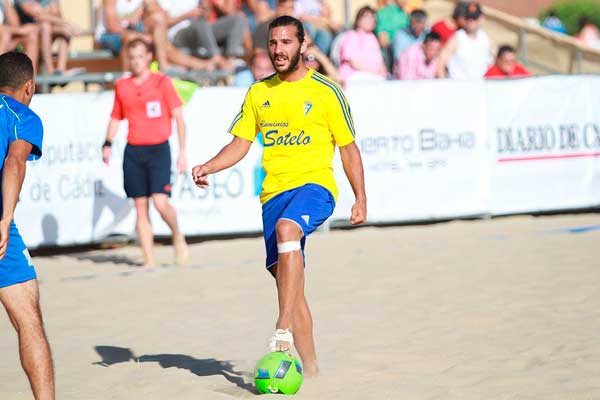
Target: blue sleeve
29	128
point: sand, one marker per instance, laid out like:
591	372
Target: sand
507	308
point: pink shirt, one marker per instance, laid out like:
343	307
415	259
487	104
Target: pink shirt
362	47
411	64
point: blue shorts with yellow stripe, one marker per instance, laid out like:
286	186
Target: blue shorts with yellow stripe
308	206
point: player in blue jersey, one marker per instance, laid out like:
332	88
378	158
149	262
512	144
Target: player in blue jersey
21	134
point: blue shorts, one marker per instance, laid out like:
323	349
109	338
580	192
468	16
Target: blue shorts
308	206
15	266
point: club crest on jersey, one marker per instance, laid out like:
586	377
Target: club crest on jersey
307	106
266	104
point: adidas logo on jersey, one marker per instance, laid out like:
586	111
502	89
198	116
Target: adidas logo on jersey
266	104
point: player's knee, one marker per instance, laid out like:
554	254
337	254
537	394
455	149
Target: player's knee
287	231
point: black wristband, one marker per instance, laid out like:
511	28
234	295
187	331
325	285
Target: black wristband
107	143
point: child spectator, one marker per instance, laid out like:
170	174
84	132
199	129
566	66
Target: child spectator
260	68
506	65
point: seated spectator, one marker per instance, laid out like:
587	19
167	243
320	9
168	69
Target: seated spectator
314	58
260	68
261	34
317	20
420	60
506	65
447	27
414	33
229	8
360	54
122	21
53	28
467	55
588	32
191	30
554	23
257	11
13	34
390	19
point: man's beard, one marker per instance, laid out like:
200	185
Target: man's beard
292	66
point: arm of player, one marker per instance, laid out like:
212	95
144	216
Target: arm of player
179	120
13	175
445	57
353	168
229	155
113	127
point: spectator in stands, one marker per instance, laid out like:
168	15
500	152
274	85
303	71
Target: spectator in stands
360	54
125	20
53	28
588	32
257	11
447	27
414	33
260	68
390	19
226	8
467	55
317	20
553	22
506	65
261	33
420	60
190	29
314	58
150	103
13	34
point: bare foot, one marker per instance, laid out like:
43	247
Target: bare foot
182	253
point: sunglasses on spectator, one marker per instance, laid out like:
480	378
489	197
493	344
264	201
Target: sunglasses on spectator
309	57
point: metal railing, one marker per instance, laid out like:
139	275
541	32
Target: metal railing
578	51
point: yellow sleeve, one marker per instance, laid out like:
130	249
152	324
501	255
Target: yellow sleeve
244	124
341	123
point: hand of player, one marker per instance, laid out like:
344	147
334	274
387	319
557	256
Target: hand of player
200	176
359	213
181	163
106	154
4	232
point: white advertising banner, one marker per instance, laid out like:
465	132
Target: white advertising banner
431	150
71	197
424	150
546	144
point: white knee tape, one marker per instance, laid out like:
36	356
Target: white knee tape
287	247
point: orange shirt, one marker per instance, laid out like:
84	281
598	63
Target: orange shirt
147	107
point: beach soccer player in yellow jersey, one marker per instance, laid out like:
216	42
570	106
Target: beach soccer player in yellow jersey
302	116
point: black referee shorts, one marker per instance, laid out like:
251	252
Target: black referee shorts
147	170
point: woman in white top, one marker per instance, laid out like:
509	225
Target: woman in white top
469	53
13	34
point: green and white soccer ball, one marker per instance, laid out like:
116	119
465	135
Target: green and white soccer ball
278	372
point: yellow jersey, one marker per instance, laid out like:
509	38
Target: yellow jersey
301	123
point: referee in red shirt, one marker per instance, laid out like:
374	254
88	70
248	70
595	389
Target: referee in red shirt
148	101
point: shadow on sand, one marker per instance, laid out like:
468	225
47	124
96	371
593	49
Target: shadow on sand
201	367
